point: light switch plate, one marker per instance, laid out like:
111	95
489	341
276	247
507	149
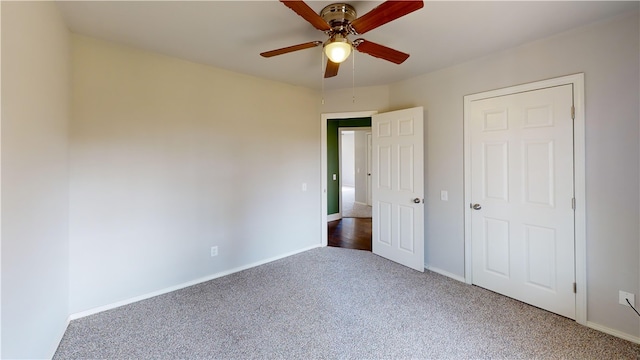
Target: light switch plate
444	195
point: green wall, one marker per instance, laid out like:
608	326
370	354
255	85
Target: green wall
333	158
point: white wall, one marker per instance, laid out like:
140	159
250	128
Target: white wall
360	152
371	98
347	158
169	158
608	53
35	113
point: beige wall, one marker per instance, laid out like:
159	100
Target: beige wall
608	53
360	143
371	98
35	113
169	158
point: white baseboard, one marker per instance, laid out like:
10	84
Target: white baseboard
117	304
334	217
592	325
616	333
360	203
446	273
59	337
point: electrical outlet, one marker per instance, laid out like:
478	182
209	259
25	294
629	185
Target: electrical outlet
214	251
623	296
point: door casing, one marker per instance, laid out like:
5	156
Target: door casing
577	80
323	162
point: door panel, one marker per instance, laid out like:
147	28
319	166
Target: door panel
397	166
538	172
522	234
383	173
405	173
496	246
406	227
496	170
383	225
540	263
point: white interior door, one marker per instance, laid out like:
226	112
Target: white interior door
522	222
369	169
398	187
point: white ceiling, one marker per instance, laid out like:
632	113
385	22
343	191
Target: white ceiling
231	34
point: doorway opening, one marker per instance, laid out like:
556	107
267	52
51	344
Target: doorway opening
353	230
355	172
346	190
397	182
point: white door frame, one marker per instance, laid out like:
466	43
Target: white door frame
323	162
577	80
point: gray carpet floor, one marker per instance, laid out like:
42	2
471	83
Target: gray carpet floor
331	303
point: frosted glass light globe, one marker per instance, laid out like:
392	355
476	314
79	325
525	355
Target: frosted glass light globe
338	51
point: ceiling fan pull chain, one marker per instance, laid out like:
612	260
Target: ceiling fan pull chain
353	78
322	74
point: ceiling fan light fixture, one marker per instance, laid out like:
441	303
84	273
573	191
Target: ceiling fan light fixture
337	49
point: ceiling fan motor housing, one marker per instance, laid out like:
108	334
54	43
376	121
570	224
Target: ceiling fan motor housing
339	20
339	16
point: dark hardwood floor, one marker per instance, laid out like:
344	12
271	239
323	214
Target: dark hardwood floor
350	233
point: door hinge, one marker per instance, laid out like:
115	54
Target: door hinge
573	112
575	288
573	203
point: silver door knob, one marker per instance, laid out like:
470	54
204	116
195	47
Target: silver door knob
416	200
476	207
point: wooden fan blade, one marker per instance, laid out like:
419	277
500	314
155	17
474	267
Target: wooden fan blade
302	9
331	70
381	51
289	49
384	13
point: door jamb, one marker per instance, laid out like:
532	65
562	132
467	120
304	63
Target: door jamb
323	161
577	80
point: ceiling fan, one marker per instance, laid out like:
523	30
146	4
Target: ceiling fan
340	20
